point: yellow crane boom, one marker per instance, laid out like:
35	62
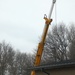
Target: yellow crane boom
42	42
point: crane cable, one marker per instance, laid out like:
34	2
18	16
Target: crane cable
56	13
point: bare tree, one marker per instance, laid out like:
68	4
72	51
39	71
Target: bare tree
56	45
5	56
71	38
21	63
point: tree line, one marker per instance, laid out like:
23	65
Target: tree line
59	46
13	62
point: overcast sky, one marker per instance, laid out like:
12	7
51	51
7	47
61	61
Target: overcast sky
21	21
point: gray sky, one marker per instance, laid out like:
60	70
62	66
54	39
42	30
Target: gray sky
21	21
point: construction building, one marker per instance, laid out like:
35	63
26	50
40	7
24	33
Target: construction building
56	68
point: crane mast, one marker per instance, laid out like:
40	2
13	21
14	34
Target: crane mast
42	42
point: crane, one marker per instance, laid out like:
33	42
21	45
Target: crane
42	42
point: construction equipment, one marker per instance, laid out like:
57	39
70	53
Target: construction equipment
41	44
